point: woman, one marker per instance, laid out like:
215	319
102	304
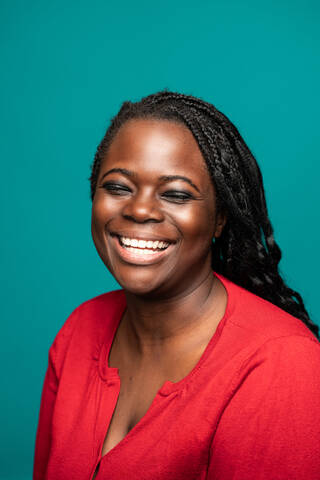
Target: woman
204	365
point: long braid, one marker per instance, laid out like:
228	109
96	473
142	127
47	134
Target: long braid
246	251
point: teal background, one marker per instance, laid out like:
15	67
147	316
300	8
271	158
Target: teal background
66	68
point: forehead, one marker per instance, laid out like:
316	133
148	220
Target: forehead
157	145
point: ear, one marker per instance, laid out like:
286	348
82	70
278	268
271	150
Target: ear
220	223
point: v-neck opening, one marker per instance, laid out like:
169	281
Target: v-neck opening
112	373
131	432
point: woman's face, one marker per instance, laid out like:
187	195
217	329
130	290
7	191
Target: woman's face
154	210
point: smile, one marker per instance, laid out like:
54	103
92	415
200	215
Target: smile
140	252
147	245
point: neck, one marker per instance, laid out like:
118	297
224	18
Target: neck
153	324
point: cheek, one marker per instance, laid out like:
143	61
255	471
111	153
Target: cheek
100	214
103	210
196	224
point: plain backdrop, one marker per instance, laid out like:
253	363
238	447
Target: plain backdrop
66	67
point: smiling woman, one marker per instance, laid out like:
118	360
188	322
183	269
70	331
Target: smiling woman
204	365
152	186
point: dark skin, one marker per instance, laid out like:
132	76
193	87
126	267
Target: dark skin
174	303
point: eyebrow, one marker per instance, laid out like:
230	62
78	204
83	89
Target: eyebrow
164	178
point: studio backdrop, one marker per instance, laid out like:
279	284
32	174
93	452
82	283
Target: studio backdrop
66	67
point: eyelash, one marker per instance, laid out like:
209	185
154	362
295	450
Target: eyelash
178	197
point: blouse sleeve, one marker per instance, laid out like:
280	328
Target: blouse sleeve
42	445
270	428
56	356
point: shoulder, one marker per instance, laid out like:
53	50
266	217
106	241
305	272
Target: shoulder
258	320
295	356
97	309
89	320
102	306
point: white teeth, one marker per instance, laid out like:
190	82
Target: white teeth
143	244
140	251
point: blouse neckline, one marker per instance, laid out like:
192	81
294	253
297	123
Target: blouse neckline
111	374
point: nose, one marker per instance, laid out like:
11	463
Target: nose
142	207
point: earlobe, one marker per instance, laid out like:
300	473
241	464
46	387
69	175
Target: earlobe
221	221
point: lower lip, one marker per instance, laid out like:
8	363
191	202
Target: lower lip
139	258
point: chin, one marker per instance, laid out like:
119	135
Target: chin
140	289
144	283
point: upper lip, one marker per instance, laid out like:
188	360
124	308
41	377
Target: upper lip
140	236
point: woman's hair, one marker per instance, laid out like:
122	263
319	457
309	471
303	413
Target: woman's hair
246	251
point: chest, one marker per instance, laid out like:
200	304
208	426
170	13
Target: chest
135	399
138	388
139	385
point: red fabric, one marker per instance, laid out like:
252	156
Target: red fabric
250	408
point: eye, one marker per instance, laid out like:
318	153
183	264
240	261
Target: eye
177	196
115	188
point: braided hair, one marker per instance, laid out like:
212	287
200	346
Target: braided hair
246	251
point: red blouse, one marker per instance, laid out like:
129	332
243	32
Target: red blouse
249	409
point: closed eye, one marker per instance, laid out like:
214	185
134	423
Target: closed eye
177	196
115	188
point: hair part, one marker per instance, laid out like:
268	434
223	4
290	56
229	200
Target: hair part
246	251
